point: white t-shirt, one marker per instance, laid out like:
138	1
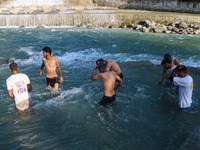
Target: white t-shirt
185	90
18	84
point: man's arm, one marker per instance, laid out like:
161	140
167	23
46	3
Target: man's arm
94	76
108	66
29	87
42	66
119	83
176	62
163	75
10	93
60	71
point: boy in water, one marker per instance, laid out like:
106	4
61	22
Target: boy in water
51	63
19	86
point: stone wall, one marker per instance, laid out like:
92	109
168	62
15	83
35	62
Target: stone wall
161	5
97	17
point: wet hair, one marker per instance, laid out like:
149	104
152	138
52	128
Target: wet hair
102	65
100	60
165	61
167	56
183	69
47	49
13	66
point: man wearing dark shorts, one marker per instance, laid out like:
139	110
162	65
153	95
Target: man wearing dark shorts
108	79
51	63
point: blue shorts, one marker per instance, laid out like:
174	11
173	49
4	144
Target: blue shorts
186	109
176	90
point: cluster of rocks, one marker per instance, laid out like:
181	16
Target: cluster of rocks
174	28
153	27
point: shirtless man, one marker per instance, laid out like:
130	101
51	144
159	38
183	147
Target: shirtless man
50	63
108	79
173	61
111	65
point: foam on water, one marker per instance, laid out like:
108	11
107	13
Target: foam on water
89	55
64	97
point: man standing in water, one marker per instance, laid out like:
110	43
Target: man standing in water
111	65
173	61
185	84
50	63
19	86
108	79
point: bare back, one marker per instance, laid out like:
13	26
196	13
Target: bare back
50	65
108	80
113	66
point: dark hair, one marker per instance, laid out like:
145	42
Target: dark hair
47	49
167	56
183	69
13	66
165	61
99	60
102	65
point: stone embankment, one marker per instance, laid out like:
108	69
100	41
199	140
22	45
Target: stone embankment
148	26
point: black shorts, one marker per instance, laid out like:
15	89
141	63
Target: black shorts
121	76
105	100
52	81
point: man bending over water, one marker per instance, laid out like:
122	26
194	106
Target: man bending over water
111	65
50	63
108	79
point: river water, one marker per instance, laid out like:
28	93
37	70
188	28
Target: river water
144	116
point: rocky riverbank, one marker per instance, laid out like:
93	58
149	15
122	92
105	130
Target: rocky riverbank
148	26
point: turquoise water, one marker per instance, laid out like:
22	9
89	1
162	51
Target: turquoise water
145	114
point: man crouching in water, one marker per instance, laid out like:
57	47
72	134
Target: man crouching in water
108	79
50	63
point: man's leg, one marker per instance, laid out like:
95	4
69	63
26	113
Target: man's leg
56	85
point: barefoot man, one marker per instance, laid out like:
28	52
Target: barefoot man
108	79
50	63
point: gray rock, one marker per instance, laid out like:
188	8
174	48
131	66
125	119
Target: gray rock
183	25
92	27
170	28
197	32
176	30
157	30
145	30
22	26
40	27
138	27
168	32
106	25
114	26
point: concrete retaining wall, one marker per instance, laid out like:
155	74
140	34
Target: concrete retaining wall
94	17
161	5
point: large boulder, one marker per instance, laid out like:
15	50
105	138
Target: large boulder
170	28
183	25
92	27
106	25
145	29
197	32
40	27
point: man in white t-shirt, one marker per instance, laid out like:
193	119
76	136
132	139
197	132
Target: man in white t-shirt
19	86
185	84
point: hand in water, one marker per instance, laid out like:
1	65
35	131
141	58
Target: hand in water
61	79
